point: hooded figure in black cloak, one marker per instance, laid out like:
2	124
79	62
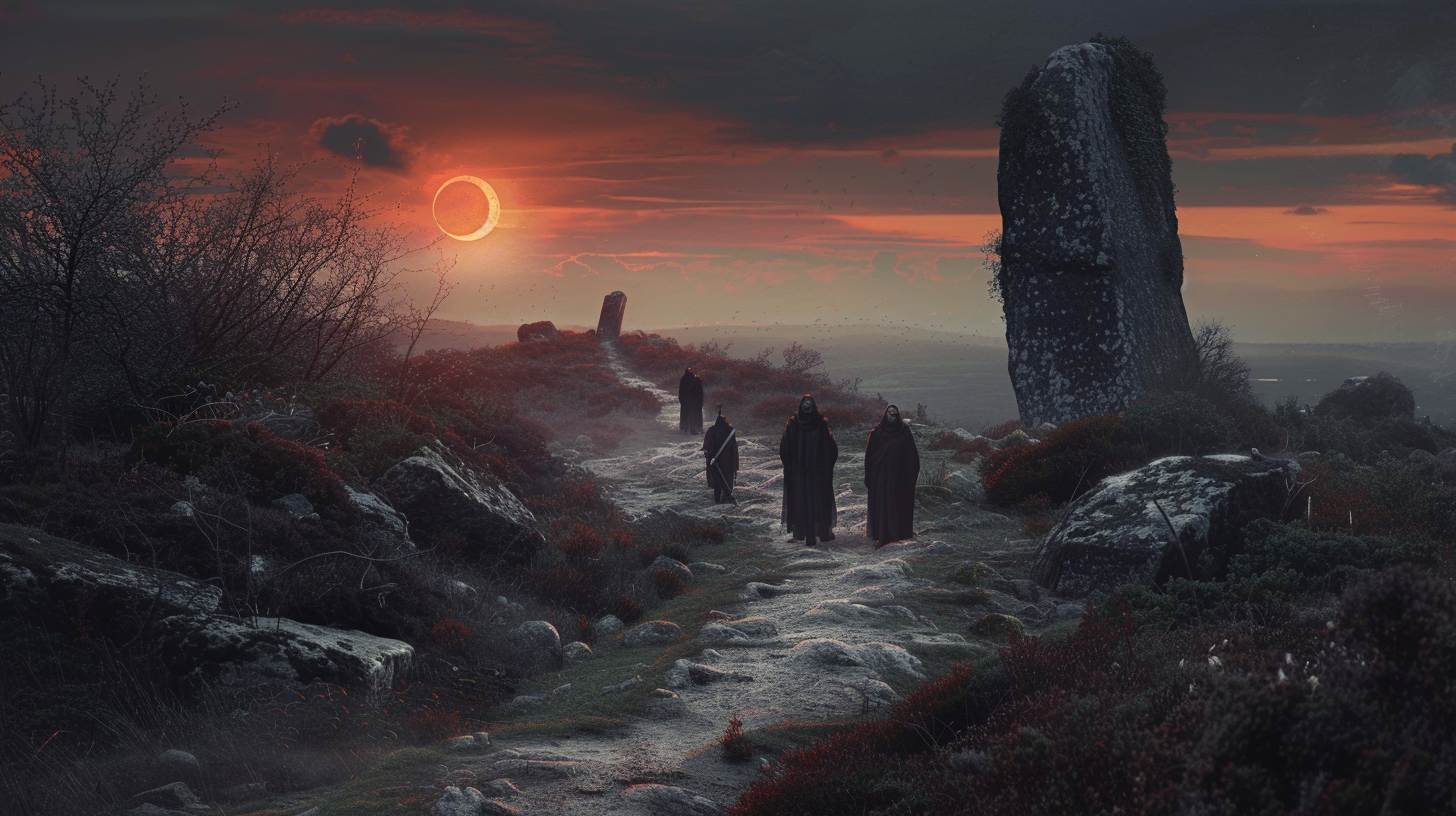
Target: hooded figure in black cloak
892	466
808	451
690	397
720	446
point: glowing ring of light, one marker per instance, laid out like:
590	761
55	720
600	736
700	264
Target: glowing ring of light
493	205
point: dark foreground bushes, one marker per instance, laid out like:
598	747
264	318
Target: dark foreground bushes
1350	714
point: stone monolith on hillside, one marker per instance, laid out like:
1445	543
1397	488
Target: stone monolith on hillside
1091	264
614	308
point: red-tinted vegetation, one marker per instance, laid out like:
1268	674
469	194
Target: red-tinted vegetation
1285	718
1068	462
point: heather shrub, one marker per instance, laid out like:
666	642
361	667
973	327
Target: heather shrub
374	435
1003	430
252	461
736	745
1180	424
625	607
1281	566
1379	397
668	584
1387	497
452	636
1069	462
1363	440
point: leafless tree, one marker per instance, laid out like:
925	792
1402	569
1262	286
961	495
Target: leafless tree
118	275
1222	375
82	183
799	360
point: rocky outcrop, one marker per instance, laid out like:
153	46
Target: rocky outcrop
383	530
1117	533
437	497
275	653
1370	398
667	800
653	633
41	574
1091	264
614	308
539	331
538	646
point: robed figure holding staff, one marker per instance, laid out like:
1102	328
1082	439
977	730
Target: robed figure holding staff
690	397
808	451
720	446
892	466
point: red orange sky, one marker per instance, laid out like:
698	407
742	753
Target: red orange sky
802	161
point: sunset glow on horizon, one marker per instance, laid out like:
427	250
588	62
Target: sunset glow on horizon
766	163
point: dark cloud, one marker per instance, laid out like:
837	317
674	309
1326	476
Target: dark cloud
1438	172
1306	209
784	70
374	143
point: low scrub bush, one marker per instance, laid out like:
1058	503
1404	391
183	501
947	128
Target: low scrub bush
668	584
1281	566
1003	430
1389	497
1180	424
1362	440
374	435
252	461
736	745
1069	462
1350	717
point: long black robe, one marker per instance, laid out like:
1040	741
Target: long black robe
892	466
690	397
724	469
808	451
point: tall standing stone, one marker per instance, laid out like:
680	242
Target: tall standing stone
614	307
1091	264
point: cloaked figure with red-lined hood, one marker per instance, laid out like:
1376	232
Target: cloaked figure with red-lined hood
892	467
808	451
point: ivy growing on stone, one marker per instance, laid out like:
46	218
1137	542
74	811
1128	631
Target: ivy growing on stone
1138	98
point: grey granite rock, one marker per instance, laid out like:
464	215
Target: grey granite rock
1091	263
1116	534
277	652
436	496
653	633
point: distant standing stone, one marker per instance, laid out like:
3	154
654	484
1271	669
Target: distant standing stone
614	308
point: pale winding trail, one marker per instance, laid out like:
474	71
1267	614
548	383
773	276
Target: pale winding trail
823	642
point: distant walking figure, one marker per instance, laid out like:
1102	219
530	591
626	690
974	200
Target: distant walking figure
892	466
808	451
690	397
720	446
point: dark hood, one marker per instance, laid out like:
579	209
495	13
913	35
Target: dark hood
892	425
810	416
